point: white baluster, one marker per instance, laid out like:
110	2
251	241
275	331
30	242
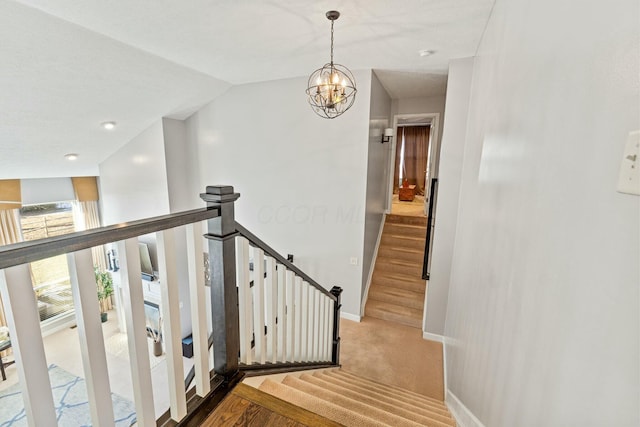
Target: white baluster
316	325
136	331
304	322
298	319
171	329
94	358
282	316
271	289
21	311
258	305
310	324
197	297
291	315
323	327
244	298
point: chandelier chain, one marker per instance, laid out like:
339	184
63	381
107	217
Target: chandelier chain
332	42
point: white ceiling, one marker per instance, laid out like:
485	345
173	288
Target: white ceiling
67	66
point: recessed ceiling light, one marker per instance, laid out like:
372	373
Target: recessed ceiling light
109	125
71	156
426	52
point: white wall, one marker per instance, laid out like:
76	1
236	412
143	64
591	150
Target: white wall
452	152
302	178
140	181
133	180
180	172
377	175
543	318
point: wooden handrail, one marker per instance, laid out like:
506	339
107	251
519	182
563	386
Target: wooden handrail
25	252
256	241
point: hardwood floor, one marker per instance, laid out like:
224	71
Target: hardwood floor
247	406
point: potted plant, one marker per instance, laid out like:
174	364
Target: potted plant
104	283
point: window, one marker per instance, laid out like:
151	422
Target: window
50	277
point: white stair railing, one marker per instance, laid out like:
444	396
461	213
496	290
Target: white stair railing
271	315
283	317
24	321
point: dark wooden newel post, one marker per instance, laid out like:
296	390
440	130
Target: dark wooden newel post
335	356
222	263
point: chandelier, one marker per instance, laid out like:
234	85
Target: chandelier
332	88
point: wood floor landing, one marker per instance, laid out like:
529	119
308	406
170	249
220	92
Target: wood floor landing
247	406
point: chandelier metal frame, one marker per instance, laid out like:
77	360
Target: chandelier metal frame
332	88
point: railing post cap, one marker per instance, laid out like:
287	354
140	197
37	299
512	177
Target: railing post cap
219	189
336	290
219	194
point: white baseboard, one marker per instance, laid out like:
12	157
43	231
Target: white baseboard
58	323
464	417
441	339
432	337
350	316
373	265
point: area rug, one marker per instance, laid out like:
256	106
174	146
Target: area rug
69	399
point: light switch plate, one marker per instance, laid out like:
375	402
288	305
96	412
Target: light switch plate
629	178
353	260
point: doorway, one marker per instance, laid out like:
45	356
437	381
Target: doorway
413	163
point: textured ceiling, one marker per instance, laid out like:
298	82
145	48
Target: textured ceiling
69	65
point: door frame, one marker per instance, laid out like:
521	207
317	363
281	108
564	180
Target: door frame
433	156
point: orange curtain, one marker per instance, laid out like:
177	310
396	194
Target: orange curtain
416	153
85	188
10	194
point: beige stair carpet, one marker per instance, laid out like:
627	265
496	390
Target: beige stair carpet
392	353
397	407
354	401
329	410
384	388
397	289
425	408
353	404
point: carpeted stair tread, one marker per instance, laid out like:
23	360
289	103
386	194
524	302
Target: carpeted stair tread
394	265
401	240
346	402
403	236
390	395
397	296
394	313
311	403
385	391
406	219
399	252
405	229
399	280
381	386
405	410
423	406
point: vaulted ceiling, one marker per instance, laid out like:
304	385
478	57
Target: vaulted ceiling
68	66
